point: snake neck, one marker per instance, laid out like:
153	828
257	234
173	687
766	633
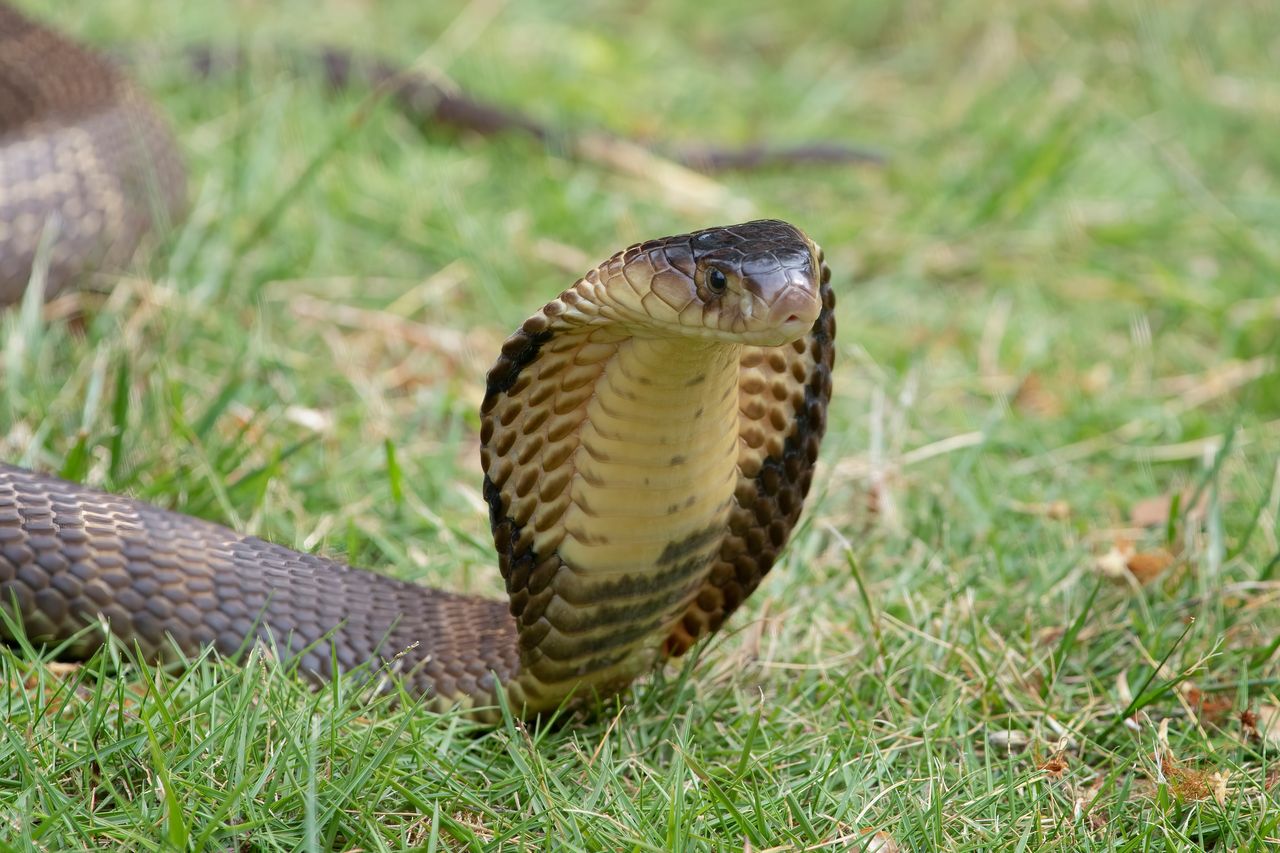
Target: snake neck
610	471
657	459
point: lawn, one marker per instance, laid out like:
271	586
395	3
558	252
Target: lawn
1034	600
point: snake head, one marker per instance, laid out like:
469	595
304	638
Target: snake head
755	283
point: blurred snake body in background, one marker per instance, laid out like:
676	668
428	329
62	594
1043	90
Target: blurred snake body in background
87	166
648	438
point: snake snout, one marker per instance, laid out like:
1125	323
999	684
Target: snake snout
786	293
796	303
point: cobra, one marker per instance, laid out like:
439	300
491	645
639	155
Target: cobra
647	439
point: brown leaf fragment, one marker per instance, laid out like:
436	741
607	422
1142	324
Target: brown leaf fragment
61	669
58	670
1154	511
1055	766
1209	707
880	842
1249	723
1146	566
1032	397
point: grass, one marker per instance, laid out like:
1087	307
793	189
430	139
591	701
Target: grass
1057	303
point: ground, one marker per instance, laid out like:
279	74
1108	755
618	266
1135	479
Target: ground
1033	603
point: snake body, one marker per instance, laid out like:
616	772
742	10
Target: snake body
648	438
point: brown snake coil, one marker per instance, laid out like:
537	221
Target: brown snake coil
648	439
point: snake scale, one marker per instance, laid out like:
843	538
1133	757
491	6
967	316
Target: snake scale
648	438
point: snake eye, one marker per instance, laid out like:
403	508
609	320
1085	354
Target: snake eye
716	280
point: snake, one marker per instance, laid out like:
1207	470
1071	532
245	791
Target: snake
648	439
